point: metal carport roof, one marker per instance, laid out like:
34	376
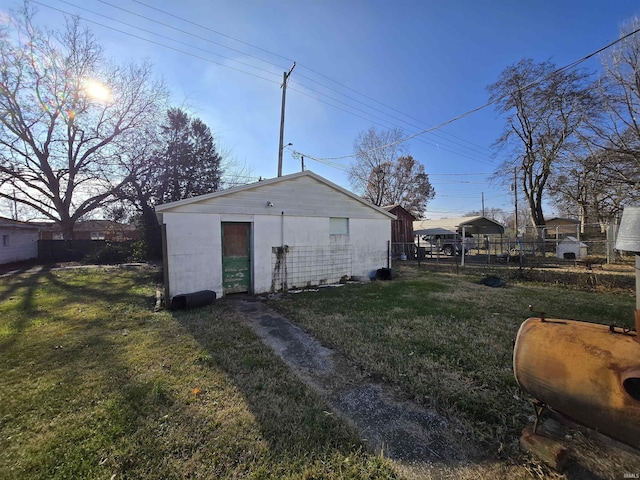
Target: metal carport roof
472	225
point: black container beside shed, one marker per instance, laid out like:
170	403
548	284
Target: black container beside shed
193	300
385	274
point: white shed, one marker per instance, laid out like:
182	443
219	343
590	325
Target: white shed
571	248
288	232
19	241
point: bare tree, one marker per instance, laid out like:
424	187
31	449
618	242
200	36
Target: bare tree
383	176
595	183
584	188
64	150
619	133
544	108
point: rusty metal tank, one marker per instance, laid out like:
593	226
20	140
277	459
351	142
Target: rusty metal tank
586	371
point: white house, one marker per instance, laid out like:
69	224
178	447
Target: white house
288	232
571	248
19	241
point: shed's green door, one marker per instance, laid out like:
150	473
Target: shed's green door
236	271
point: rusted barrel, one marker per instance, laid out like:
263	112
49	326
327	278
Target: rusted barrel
583	370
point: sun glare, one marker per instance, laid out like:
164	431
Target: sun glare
96	90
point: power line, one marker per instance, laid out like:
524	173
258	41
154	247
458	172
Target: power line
211	30
443	147
288	60
405	139
155	43
168	38
491	102
176	29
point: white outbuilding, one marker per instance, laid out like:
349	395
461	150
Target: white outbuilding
571	248
19	241
289	232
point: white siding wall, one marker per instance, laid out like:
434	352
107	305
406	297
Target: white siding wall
303	196
371	238
194	253
23	245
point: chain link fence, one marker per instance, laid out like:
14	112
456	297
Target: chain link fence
295	267
589	245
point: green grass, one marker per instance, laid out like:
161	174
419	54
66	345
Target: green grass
93	384
446	342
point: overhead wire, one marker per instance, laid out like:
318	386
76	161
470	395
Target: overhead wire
156	43
167	38
331	159
442	147
172	15
405	139
172	27
494	101
284	58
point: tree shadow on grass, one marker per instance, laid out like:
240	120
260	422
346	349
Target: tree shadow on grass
93	397
73	405
23	289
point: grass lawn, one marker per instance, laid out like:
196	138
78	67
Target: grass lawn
93	384
445	341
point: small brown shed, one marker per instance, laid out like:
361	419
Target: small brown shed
402	227
401	230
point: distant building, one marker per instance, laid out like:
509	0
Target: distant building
91	230
559	227
18	241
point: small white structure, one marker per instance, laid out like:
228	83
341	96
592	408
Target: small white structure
288	232
18	241
571	248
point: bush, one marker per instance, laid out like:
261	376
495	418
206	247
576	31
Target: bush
117	252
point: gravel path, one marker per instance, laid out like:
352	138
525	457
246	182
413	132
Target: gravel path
417	439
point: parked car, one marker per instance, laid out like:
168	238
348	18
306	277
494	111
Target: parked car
445	243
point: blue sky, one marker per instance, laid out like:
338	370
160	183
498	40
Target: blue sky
407	64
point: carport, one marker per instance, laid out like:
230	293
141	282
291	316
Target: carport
464	226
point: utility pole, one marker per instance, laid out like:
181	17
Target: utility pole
15	205
483	204
284	96
515	200
302	160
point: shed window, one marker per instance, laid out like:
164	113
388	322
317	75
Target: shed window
5	240
338	226
97	235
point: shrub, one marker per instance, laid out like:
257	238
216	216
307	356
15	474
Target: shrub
117	252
